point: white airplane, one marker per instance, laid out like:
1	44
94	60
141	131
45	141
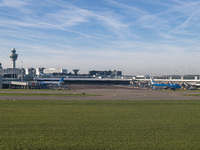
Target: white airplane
59	83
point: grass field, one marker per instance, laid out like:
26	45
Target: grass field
45	94
99	125
192	94
31	90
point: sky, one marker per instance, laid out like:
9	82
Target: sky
138	37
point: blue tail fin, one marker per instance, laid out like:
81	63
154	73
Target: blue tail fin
61	80
153	81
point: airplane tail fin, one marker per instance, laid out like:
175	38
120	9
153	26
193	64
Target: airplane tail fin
61	80
152	80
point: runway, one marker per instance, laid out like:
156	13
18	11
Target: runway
107	93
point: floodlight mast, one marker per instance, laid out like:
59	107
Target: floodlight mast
1	85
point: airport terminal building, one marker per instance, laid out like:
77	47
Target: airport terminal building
105	73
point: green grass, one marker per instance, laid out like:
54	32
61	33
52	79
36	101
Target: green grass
99	125
180	90
45	94
14	90
193	91
192	94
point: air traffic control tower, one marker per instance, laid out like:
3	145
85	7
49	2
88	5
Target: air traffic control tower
13	57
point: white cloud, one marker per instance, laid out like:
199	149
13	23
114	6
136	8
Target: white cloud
70	17
14	3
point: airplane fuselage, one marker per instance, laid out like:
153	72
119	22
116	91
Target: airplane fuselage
170	86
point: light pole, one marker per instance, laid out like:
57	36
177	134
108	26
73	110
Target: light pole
22	72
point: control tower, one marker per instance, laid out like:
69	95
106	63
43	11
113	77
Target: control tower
13	57
76	71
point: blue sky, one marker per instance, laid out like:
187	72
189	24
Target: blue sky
136	36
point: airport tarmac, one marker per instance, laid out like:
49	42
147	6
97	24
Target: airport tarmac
107	93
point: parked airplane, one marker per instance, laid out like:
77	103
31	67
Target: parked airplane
164	86
58	83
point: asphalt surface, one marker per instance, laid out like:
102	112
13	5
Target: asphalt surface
107	93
